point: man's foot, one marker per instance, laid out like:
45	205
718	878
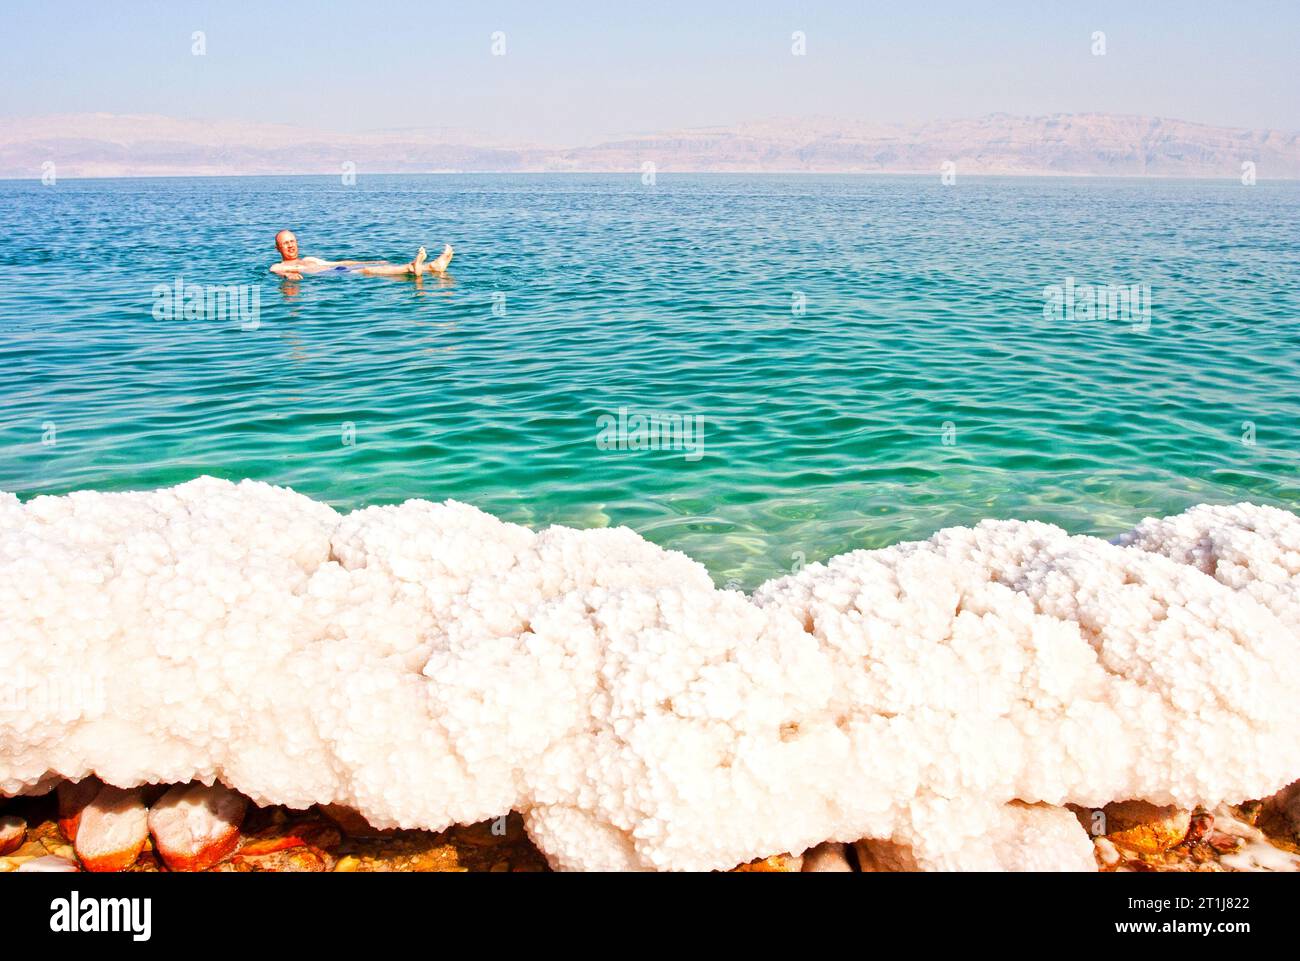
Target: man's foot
444	258
417	265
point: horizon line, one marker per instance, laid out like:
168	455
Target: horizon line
773	118
661	173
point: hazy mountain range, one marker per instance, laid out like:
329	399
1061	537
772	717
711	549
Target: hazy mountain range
108	145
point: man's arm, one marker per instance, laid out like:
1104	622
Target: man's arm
285	271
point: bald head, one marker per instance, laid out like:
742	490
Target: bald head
287	244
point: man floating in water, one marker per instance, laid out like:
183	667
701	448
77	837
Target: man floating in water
292	267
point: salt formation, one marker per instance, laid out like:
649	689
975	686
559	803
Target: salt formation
195	826
1249	548
112	829
429	665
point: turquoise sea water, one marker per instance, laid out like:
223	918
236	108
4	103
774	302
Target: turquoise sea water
919	385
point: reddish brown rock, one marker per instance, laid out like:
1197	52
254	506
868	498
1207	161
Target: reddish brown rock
327	837
112	830
1145	828
1224	843
1200	826
1281	812
884	856
349	820
195	826
776	864
298	859
317	834
73	797
13	832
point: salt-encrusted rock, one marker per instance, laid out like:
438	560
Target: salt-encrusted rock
1144	827
1249	548
828	857
49	863
1106	851
13	832
1020	837
73	796
638	717
194	826
112	830
1252	850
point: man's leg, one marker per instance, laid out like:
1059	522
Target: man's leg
414	268
444	258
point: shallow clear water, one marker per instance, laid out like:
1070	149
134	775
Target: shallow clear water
574	296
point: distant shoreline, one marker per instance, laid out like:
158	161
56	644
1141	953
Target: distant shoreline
103	145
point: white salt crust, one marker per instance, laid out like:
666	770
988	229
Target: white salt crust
429	665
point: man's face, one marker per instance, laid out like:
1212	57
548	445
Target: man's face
287	244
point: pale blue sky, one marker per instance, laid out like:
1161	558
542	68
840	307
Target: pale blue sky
580	72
